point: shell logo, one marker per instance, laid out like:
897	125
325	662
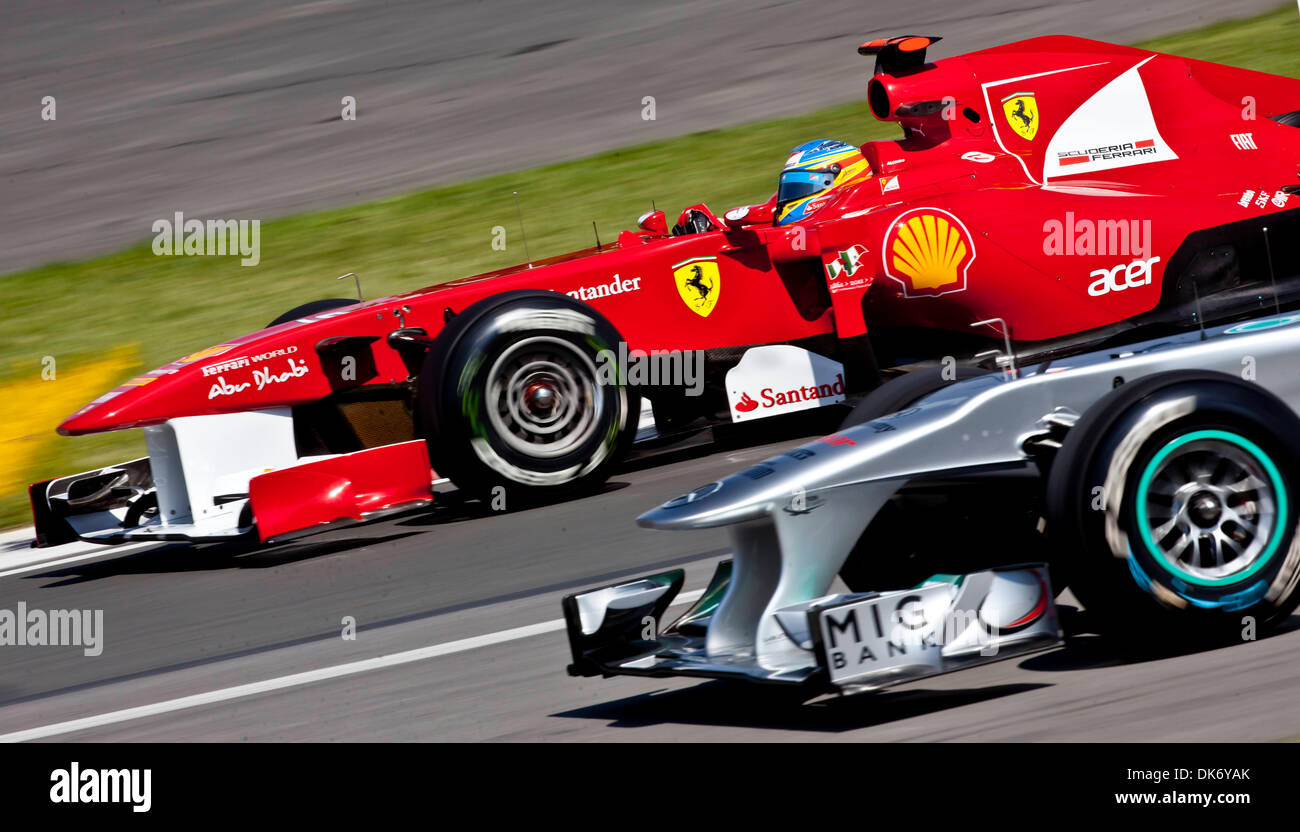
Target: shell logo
928	251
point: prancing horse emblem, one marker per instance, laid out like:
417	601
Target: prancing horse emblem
1021	111
698	283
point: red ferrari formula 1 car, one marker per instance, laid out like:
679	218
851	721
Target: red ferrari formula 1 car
1047	196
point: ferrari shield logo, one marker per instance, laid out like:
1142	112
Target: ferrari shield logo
1021	111
698	283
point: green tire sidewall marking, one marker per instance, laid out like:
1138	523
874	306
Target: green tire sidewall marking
1275	478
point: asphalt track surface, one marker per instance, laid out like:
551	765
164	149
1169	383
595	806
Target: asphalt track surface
231	108
458	639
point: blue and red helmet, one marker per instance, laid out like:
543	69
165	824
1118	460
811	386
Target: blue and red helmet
814	168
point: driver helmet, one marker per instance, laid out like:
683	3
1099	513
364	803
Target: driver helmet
814	168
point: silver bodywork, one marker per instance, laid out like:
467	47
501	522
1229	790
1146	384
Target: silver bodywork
794	518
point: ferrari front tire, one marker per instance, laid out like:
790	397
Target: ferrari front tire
1174	503
518	393
314	307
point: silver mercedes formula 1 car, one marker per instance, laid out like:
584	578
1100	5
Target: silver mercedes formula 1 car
1157	479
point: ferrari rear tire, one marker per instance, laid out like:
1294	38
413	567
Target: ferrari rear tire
1174	503
904	391
923	532
949	528
519	393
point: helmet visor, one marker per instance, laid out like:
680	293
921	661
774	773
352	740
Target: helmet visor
797	184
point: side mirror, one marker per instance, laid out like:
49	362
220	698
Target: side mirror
654	222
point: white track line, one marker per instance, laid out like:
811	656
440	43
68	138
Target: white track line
298	679
100	552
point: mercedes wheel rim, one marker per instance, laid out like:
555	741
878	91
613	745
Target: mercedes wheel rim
1209	505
